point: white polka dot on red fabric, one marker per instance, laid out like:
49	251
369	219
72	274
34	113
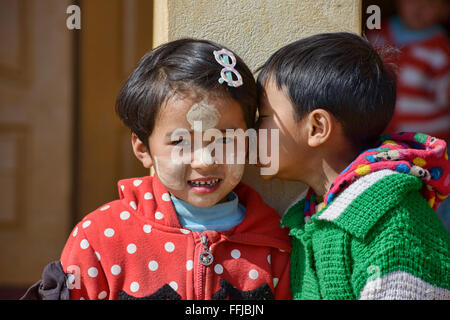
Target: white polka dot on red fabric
147	228
93	272
131	248
148	196
133	205
124	215
153	265
84	244
169	246
86	224
189	265
218	268
159	215
269	258
109	232
137	183
253	274
102	295
134	286
166	197
70	279
75	231
275	282
174	285
98	255
185	231
105	207
122	188
236	254
116	269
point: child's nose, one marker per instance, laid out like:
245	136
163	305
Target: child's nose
202	160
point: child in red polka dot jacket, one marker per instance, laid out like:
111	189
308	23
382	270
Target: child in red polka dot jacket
192	230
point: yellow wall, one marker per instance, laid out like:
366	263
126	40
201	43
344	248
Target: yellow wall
254	29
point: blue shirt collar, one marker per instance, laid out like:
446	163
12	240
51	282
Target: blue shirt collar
219	217
403	35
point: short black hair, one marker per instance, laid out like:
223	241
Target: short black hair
339	72
184	65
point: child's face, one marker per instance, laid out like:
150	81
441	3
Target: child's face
277	112
421	14
199	181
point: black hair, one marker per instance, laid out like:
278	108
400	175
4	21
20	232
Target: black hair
184	65
338	72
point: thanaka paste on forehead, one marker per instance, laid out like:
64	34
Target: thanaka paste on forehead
204	112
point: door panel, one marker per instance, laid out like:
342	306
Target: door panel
36	90
115	34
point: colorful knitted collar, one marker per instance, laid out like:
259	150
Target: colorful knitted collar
417	154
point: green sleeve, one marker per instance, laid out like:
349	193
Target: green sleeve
404	256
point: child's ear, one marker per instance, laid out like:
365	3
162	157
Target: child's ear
320	124
141	152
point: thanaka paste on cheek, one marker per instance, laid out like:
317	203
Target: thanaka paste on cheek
172	174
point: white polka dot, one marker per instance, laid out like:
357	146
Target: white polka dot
75	232
169	246
105	207
102	295
131	248
166	197
93	272
253	274
158	215
174	285
124	215
84	244
81	298
70	279
98	255
109	232
115	269
137	183
189	265
185	231
275	282
269	258
147	228
134	287
86	224
236	254
122	188
153	265
218	269
133	205
148	196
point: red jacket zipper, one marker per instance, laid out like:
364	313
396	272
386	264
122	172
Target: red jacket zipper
205	259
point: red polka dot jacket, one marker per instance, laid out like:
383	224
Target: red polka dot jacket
135	248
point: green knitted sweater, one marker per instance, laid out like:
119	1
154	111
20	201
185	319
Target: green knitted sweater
379	239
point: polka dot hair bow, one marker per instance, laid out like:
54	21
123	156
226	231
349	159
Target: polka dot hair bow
226	74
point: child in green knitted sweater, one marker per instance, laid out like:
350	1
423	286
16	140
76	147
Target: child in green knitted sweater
366	227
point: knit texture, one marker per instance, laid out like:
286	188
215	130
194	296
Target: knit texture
379	239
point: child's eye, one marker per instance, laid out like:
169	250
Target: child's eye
181	142
224	140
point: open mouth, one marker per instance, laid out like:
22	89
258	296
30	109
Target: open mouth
205	185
